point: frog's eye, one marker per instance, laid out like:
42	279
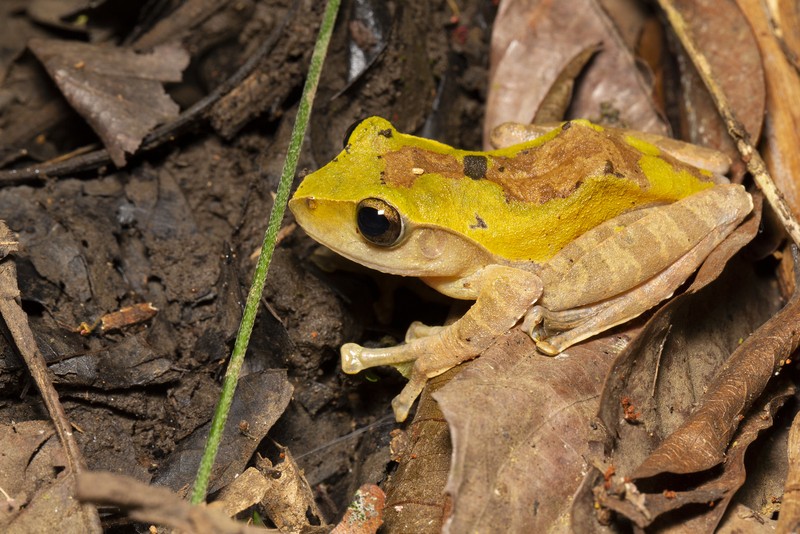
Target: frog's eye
350	131
379	222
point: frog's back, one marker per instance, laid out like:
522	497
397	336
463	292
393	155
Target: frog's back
521	203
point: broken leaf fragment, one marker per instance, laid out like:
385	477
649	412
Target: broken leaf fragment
116	90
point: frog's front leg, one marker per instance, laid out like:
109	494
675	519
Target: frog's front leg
504	295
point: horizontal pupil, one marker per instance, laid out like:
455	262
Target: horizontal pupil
372	222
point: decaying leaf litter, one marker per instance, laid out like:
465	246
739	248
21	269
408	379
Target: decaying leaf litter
174	227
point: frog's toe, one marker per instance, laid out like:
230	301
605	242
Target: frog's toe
546	347
532	320
351	358
419	330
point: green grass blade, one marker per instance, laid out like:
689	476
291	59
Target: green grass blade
262	266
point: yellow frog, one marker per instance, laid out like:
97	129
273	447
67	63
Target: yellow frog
576	231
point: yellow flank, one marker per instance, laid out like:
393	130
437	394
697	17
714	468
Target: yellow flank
426	182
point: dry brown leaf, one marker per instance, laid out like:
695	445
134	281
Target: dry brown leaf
781	132
248	489
415	500
533	42
734	60
117	91
288	499
520	424
715	490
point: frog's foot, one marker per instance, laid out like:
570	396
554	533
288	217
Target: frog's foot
418	360
356	358
417	330
505	295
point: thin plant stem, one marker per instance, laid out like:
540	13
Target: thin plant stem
268	246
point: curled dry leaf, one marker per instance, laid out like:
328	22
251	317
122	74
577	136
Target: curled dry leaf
288	499
718	487
701	441
117	91
534	42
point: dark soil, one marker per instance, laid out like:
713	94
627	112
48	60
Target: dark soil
180	225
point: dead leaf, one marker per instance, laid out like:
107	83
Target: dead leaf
117	91
364	515
533	42
288	500
781	135
520	424
415	499
245	491
715	490
260	399
734	60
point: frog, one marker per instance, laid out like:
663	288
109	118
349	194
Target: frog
565	234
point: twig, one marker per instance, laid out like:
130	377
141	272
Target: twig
17	323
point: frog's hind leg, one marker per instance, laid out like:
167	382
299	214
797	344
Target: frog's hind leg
580	323
630	263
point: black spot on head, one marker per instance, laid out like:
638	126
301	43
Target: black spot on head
501	169
479	223
387	133
475	166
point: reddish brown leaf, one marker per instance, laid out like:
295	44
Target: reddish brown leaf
117	91
364	515
718	490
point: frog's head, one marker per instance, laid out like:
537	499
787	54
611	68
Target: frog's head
382	203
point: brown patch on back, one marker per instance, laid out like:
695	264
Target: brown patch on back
556	168
400	165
